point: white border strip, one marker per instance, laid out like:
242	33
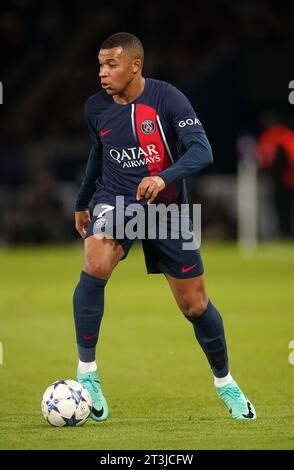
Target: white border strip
164	138
133	122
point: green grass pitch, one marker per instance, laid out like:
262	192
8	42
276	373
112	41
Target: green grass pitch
155	376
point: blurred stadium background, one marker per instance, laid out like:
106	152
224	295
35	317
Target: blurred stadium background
234	62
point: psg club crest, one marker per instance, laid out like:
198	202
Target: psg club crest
148	126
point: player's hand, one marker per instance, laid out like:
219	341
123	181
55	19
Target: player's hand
149	188
82	220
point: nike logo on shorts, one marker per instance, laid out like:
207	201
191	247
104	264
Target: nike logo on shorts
185	270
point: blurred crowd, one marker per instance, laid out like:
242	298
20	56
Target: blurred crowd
215	51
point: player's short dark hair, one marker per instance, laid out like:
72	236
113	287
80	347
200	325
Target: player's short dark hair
126	41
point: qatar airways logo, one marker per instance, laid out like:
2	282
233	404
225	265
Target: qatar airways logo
135	156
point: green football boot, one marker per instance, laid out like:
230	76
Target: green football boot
91	381
234	399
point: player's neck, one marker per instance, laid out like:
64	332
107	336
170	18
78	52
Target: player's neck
132	92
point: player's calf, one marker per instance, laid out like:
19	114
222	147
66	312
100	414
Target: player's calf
88	302
209	331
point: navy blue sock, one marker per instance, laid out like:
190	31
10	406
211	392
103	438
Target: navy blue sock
209	331
88	302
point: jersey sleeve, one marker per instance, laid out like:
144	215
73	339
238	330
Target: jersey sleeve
91	120
94	164
88	186
198	155
180	114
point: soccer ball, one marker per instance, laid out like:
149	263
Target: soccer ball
66	403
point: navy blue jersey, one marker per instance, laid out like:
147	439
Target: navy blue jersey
142	138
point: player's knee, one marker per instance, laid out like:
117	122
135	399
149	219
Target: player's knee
98	268
195	306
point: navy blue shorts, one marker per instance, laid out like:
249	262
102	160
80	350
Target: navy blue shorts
176	253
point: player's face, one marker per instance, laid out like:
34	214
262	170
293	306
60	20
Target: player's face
117	69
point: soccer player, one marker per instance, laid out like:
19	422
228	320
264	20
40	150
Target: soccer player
146	138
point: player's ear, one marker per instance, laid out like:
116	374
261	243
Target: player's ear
137	65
